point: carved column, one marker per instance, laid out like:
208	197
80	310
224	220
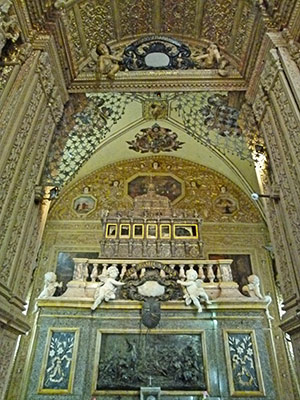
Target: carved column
275	99
31	103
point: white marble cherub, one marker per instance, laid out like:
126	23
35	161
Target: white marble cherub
253	287
50	285
194	290
107	287
253	290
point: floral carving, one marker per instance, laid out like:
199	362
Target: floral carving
175	14
136	17
97	14
59	362
4	76
244	368
8	344
218	20
246	25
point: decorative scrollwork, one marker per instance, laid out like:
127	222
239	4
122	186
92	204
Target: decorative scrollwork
157	52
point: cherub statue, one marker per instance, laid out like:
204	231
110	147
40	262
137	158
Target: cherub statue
253	287
211	57
107	64
107	287
194	290
50	285
253	290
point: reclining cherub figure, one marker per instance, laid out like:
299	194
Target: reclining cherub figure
194	290
107	287
253	290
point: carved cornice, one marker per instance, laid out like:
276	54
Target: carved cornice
162	81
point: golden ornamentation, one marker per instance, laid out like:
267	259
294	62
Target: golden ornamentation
4	76
175	14
155	109
135	17
100	15
218	21
254	138
202	189
9	25
71	25
245	28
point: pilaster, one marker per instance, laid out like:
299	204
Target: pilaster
275	104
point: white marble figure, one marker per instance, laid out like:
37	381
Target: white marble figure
194	290
50	285
107	287
253	290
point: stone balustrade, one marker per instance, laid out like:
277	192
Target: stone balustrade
208	270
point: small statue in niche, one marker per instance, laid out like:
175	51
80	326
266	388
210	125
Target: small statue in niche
50	285
253	290
212	58
194	290
107	287
107	64
9	28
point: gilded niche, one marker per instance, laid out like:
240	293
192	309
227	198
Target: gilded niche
188	186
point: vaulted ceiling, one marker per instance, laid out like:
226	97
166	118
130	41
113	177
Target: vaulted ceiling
94	130
237	27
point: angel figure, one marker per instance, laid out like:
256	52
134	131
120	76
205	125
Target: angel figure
107	287
194	290
212	57
107	64
253	290
50	285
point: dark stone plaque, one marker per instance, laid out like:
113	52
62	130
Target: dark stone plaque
173	361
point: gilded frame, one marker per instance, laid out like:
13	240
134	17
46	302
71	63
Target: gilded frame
69	389
120	231
258	370
147	231
138	236
185	237
154	173
106	231
86	196
200	332
161	233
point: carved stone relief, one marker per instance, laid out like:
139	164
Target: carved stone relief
203	186
8	344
